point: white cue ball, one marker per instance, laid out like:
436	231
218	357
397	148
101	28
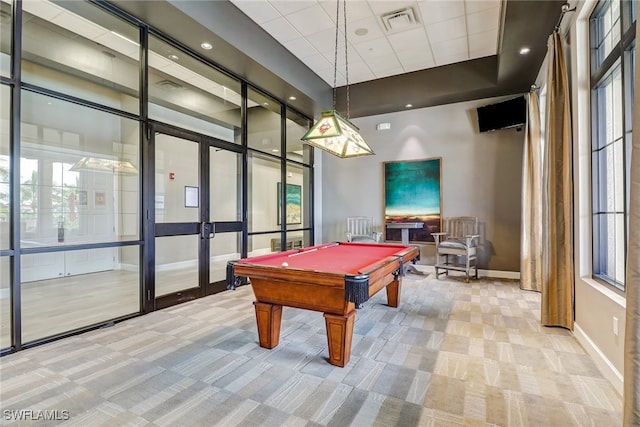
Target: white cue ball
285	264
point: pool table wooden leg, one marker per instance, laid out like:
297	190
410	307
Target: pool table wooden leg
268	317
393	293
339	335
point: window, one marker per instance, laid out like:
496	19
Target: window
612	53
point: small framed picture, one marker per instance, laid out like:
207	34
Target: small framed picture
82	198
100	198
191	197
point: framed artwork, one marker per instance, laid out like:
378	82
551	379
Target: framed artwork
82	198
293	203
412	193
100	198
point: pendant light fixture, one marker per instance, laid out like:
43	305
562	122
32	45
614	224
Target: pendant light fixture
333	132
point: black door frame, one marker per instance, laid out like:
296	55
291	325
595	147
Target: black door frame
205	228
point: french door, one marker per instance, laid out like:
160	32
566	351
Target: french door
196	216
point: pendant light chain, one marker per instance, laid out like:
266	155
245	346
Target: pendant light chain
335	57
333	132
346	60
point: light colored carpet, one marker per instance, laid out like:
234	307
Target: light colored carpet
452	354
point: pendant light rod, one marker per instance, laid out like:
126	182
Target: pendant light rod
334	133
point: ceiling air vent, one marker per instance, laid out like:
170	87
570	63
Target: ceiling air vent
168	84
400	20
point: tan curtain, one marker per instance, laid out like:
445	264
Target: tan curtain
531	229
558	286
631	409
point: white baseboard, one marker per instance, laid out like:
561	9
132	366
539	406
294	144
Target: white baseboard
604	365
498	274
481	273
128	267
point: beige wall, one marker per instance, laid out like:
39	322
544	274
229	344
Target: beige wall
481	176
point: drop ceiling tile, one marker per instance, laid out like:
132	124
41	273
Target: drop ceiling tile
417	66
486	41
281	30
110	40
451	58
353	57
286	7
258	11
355	9
438	11
301	48
44	10
374	48
78	25
454	47
310	20
383	63
485	20
473	6
416	56
359	71
409	40
385	71
157	62
381	7
325	40
326	74
370	24
178	71
446	30
317	62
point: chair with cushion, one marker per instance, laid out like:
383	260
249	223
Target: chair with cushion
360	229
458	240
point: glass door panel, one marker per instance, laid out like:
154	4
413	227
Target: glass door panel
224	247
198	214
177	218
224	180
176	264
176	193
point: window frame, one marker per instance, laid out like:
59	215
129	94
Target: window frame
602	72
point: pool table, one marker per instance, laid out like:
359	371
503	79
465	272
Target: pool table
334	279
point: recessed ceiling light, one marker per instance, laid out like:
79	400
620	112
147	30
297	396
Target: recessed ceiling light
383	126
524	51
408	106
173	57
275	150
292	98
206	46
361	32
266	104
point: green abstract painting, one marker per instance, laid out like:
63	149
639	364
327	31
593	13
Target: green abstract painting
293	199
412	193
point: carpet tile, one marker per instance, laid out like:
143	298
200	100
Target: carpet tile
453	354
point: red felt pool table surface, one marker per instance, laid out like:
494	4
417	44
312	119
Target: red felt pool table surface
332	278
347	258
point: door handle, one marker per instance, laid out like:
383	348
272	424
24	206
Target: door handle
207	230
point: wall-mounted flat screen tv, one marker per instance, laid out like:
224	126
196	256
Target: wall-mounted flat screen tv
506	114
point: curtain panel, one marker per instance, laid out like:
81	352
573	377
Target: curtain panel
631	406
557	305
531	249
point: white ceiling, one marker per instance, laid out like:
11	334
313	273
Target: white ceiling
444	32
